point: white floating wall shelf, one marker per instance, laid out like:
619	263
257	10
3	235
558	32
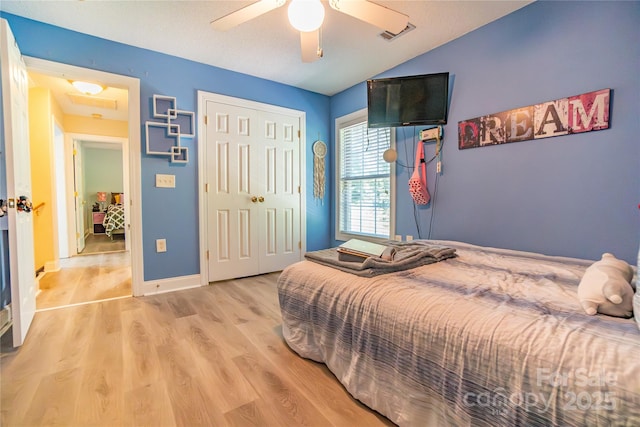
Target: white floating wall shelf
164	138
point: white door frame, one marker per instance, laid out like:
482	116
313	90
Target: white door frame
203	98
88	138
132	85
59	199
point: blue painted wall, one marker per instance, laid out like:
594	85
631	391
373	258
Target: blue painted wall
574	195
174	215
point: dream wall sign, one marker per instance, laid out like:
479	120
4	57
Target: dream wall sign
575	114
164	137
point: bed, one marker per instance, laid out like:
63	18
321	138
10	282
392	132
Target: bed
114	220
489	337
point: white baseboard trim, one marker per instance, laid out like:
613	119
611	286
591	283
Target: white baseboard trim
152	287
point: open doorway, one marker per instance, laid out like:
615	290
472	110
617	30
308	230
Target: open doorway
88	129
84	215
100	177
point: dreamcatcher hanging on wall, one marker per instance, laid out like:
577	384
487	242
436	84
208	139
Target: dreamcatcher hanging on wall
319	154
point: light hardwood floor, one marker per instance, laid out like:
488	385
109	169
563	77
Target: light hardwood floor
99	243
86	278
210	356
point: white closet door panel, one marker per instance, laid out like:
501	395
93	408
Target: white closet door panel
270	167
280	211
233	217
222	167
243	169
244	236
223	243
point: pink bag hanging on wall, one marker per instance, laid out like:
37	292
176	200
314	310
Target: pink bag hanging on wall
418	182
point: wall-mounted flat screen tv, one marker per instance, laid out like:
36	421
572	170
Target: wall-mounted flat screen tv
408	101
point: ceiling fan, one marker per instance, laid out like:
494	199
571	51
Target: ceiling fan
307	16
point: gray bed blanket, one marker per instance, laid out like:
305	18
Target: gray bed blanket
407	255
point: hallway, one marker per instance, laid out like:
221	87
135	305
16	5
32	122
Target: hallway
86	278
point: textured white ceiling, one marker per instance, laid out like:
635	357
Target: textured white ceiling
268	46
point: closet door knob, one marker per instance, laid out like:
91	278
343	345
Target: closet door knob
261	199
254	199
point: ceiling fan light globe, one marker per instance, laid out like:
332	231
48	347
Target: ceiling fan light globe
306	15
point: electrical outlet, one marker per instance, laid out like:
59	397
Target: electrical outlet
161	245
439	167
398	237
409	237
165	181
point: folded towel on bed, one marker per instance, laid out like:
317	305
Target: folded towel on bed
407	255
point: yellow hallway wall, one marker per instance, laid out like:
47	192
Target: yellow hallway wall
93	126
41	143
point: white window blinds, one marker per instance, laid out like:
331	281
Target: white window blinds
364	182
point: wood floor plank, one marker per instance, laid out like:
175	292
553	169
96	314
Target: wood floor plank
80	326
157	313
190	407
47	407
141	366
100	401
86	278
100	243
16	399
108	316
148	406
337	405
206	305
46	336
224	382
287	405
210	356
248	415
180	305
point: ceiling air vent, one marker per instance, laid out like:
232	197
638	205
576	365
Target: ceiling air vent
389	36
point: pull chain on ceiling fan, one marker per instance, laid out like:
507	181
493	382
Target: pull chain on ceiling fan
311	13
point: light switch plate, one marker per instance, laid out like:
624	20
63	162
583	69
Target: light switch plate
165	181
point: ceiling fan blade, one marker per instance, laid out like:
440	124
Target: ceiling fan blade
309	45
374	14
245	14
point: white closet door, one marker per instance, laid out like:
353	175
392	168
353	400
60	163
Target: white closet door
232	197
279	179
253	201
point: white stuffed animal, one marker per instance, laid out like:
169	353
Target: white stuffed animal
606	288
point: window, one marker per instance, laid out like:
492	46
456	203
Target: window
364	197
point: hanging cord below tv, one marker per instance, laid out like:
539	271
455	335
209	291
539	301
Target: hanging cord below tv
437	155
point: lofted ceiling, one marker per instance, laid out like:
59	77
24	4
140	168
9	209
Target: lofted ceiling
267	46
